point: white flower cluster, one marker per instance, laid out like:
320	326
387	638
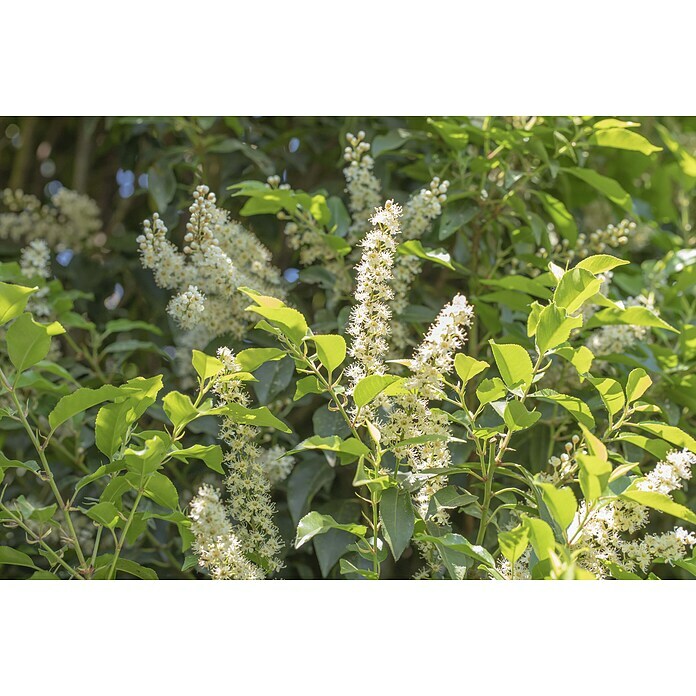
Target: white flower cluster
419	213
248	483
71	221
411	415
363	188
599	533
564	468
35	260
188	307
218	548
218	257
521	568
276	464
369	322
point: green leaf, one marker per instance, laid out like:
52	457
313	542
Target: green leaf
289	321
80	400
307	385
146	461
6	463
161	184
398	519
611	393
633	316
594	444
260	417
528	286
123	325
687	162
517	417
606	186
561	503
562	219
112	424
490	390
593	475
160	489
252	358
414	248
179	408
576	407
514	543
210	455
671	433
368	388
554	327
468	367
315	523
105	514
637	384
622	139
29	342
206	366
661	502
600	263
331	351
10	556
333	443
514	364
458	543
13	300
540	536
575	288
127	566
580	358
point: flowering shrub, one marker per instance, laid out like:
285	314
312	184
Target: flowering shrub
481	366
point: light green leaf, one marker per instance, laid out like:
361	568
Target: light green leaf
160	489
414	248
13	300
661	502
671	433
600	263
637	384
333	443
206	366
29	342
517	417
490	390
540	536
368	388
611	393
210	455
634	316
593	475
514	543
331	351
80	400
260	417
252	358
580	358
514	364
112	424
289	321
468	367
179	408
576	407
315	523
554	327
307	385
561	503
575	288
622	139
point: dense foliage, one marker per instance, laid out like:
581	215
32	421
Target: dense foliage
458	348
